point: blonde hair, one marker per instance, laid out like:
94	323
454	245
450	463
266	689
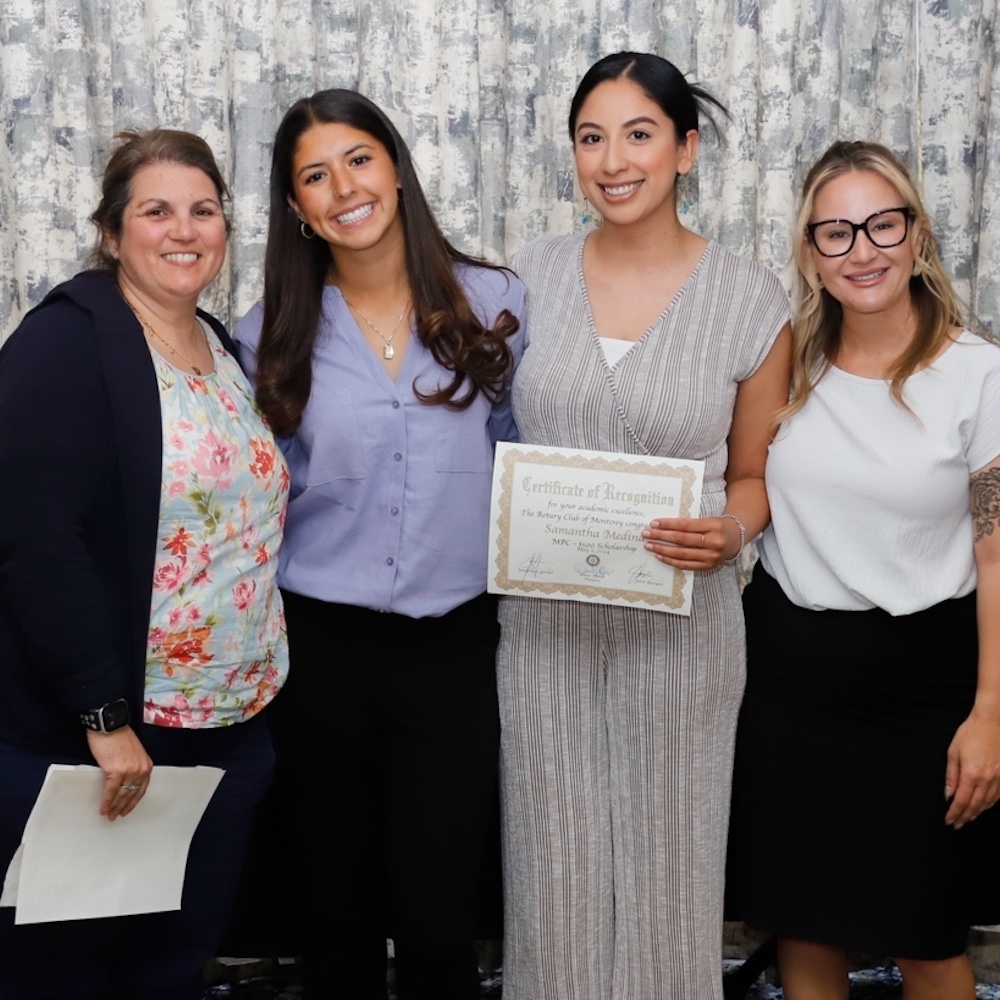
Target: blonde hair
818	314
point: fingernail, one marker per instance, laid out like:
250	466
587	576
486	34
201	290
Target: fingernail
947	791
645	532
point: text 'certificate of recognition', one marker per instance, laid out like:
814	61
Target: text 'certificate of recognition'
566	524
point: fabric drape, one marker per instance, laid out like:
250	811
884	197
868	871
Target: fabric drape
485	86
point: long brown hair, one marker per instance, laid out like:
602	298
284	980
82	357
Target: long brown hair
819	315
295	271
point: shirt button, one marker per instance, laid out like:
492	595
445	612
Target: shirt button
388	561
398	457
395	404
394	510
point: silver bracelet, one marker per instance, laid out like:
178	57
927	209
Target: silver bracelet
743	537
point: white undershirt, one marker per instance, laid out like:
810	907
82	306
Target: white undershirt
615	349
869	504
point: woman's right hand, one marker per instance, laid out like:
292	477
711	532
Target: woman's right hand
126	767
972	775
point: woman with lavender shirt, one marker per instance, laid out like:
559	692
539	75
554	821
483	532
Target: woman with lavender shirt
382	355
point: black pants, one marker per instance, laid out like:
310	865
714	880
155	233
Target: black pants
387	736
152	956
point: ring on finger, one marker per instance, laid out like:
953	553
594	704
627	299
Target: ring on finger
702	540
131	788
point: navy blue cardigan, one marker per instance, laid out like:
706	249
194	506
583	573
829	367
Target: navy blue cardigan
80	468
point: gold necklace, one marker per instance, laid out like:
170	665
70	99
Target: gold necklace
174	353
388	351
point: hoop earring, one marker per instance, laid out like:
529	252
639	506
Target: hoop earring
306	230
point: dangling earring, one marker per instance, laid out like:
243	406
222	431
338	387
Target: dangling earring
585	216
306	230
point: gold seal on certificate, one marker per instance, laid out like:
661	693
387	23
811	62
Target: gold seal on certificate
566	524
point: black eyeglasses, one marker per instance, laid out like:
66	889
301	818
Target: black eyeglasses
835	237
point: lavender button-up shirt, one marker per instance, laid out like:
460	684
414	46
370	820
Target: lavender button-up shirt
390	497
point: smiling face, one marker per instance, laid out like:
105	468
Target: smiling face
627	154
345	186
868	279
173	235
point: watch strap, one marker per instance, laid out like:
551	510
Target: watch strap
108	718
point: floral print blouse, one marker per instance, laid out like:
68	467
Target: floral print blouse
217	651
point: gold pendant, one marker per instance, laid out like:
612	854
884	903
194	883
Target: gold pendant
388	352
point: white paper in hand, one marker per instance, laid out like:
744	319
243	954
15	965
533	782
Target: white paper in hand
76	865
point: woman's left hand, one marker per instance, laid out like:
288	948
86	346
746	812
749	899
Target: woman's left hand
693	542
126	767
972	777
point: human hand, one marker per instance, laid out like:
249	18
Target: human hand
693	542
126	767
972	775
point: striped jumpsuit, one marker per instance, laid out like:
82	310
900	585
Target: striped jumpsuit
618	723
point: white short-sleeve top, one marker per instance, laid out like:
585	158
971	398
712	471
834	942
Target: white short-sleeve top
869	502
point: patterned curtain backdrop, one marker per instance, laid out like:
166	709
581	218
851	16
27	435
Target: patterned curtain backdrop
481	88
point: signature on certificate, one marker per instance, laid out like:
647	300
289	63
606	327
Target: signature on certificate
592	572
534	566
592	569
642	575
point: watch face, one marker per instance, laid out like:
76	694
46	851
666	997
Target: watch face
115	715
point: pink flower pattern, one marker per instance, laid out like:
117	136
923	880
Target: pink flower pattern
168	576
216	647
227	402
214	460
243	594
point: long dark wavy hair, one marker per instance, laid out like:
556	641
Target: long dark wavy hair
296	269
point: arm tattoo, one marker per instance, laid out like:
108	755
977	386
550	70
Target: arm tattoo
985	501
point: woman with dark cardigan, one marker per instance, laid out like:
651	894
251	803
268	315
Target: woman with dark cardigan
141	508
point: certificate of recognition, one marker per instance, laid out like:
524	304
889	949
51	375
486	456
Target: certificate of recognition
566	524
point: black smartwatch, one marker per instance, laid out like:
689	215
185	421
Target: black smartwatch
107	718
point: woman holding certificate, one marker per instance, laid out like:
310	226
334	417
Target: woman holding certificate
872	709
383	355
618	722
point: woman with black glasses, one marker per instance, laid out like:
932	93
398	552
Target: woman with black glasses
868	752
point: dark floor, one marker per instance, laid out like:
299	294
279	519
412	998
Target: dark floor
870	984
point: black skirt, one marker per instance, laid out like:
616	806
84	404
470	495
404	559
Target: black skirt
837	833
